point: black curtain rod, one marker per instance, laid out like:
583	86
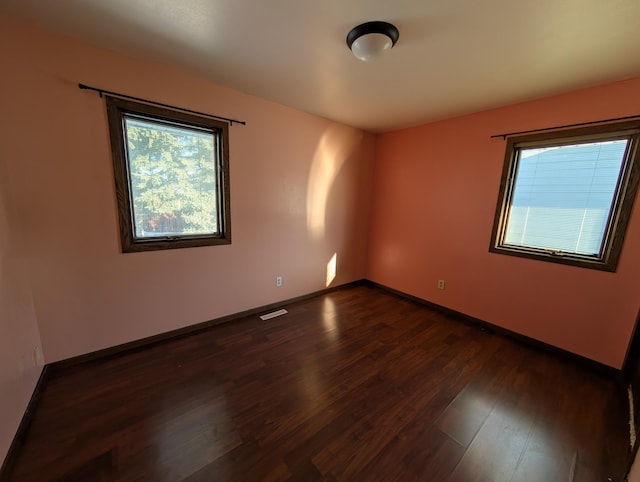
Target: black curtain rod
124	96
532	131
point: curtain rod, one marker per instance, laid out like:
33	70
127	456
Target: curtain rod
124	96
579	124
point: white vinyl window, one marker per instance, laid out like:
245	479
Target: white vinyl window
566	197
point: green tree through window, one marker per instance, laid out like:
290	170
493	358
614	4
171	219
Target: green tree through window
171	177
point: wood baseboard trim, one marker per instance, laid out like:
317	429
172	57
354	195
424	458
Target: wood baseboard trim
595	366
23	427
482	324
187	330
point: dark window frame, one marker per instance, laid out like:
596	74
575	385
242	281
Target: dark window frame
117	110
622	203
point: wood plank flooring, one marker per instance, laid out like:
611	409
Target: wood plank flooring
354	385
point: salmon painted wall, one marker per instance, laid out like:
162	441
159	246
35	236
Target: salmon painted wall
300	194
19	367
435	194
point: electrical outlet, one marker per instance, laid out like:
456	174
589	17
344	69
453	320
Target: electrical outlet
440	284
278	280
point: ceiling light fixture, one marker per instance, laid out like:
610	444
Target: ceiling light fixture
368	40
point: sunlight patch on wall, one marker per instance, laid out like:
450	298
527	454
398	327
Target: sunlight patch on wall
331	269
334	148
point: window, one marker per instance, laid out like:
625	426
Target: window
566	196
172	177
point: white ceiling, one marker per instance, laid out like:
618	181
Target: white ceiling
453	56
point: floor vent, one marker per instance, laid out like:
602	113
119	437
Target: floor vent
273	314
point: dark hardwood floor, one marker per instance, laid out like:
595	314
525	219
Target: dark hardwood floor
356	385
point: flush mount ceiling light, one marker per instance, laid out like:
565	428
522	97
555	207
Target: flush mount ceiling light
368	40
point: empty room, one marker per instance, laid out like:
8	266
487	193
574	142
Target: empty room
333	241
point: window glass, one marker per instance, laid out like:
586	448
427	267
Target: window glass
562	196
173	179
